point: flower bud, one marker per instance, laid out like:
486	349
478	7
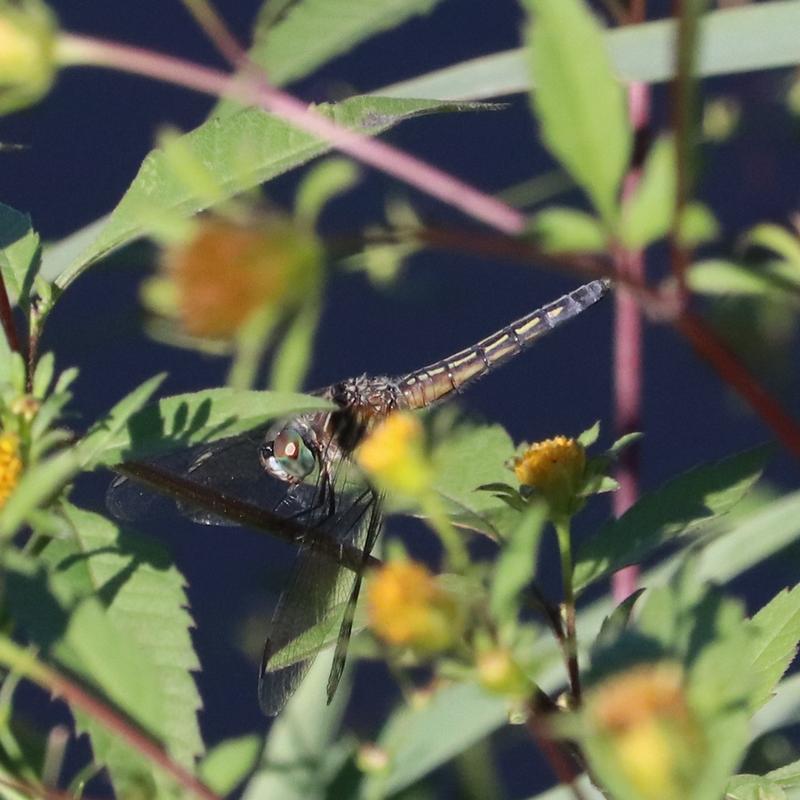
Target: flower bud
10	465
27	53
556	469
647	733
393	456
499	673
408	608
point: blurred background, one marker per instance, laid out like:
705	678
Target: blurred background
84	143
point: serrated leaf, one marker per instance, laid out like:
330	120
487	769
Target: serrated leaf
143	596
42	481
516	565
567	230
19	254
649	214
578	101
615	623
777	632
239	151
680	506
184	420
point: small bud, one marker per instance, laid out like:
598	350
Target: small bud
556	469
25	406
393	456
408	608
499	673
647	732
27	53
372	759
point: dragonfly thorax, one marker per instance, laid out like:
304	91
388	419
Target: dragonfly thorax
287	456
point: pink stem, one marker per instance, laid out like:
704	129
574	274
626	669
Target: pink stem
86	51
628	347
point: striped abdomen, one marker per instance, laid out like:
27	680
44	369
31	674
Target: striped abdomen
432	383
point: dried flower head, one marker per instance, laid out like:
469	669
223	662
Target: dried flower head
408	608
228	270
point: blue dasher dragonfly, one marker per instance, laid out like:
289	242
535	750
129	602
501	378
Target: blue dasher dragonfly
302	469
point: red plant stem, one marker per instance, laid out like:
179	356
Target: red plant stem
7	319
562	764
87	51
628	342
710	347
110	719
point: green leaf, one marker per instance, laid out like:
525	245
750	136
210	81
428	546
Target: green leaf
78	633
19	254
229	763
775	280
293	357
321	184
468	457
638	52
566	230
615	623
184	420
239	151
697	225
777	631
649	214
418	740
516	564
680	506
143	597
578	100
753	787
326	28
788	777
42	482
300	751
779	240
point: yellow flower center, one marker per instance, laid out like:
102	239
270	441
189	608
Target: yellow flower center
407	608
10	465
551	461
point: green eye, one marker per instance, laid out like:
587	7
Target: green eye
293	454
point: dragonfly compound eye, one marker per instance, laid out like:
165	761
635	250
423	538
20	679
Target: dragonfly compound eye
290	455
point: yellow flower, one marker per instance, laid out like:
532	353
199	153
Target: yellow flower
228	270
10	465
393	455
27	59
498	672
408	608
644	719
555	467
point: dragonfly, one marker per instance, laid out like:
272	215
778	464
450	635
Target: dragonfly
302	468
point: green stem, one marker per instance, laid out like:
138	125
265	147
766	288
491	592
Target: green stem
562	526
457	557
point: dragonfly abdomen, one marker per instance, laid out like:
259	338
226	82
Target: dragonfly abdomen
435	382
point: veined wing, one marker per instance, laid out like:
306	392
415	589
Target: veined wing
229	466
319	595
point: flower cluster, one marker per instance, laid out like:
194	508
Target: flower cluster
10	465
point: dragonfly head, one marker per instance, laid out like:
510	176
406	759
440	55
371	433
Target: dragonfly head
287	455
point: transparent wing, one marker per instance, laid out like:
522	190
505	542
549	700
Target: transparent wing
319	595
229	466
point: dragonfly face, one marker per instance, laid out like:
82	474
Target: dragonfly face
309	458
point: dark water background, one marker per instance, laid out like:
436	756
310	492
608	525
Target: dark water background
84	145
